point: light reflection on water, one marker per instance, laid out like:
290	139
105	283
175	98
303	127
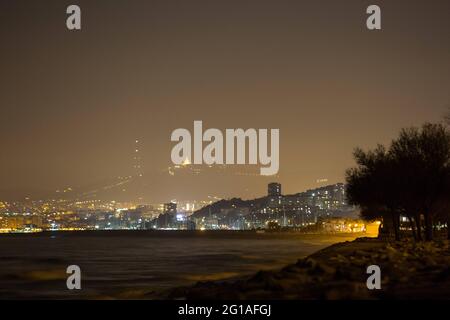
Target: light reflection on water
113	262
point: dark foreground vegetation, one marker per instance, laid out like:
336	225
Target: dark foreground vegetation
409	179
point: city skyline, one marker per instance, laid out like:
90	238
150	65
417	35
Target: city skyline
298	210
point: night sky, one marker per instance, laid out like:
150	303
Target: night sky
73	103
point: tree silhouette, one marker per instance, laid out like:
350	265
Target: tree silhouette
423	156
409	179
371	186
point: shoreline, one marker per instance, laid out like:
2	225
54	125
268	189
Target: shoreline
177	233
334	271
408	271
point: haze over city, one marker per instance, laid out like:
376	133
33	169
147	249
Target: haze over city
137	71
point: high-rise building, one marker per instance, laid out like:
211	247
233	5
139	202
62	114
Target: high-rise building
274	189
274	198
169	217
170	208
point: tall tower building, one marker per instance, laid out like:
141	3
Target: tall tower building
170	207
170	215
274	189
274	198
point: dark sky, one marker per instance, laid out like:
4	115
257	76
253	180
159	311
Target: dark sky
73	103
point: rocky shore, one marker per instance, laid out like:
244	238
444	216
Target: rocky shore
408	271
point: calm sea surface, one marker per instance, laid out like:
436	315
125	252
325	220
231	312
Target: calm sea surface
133	264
